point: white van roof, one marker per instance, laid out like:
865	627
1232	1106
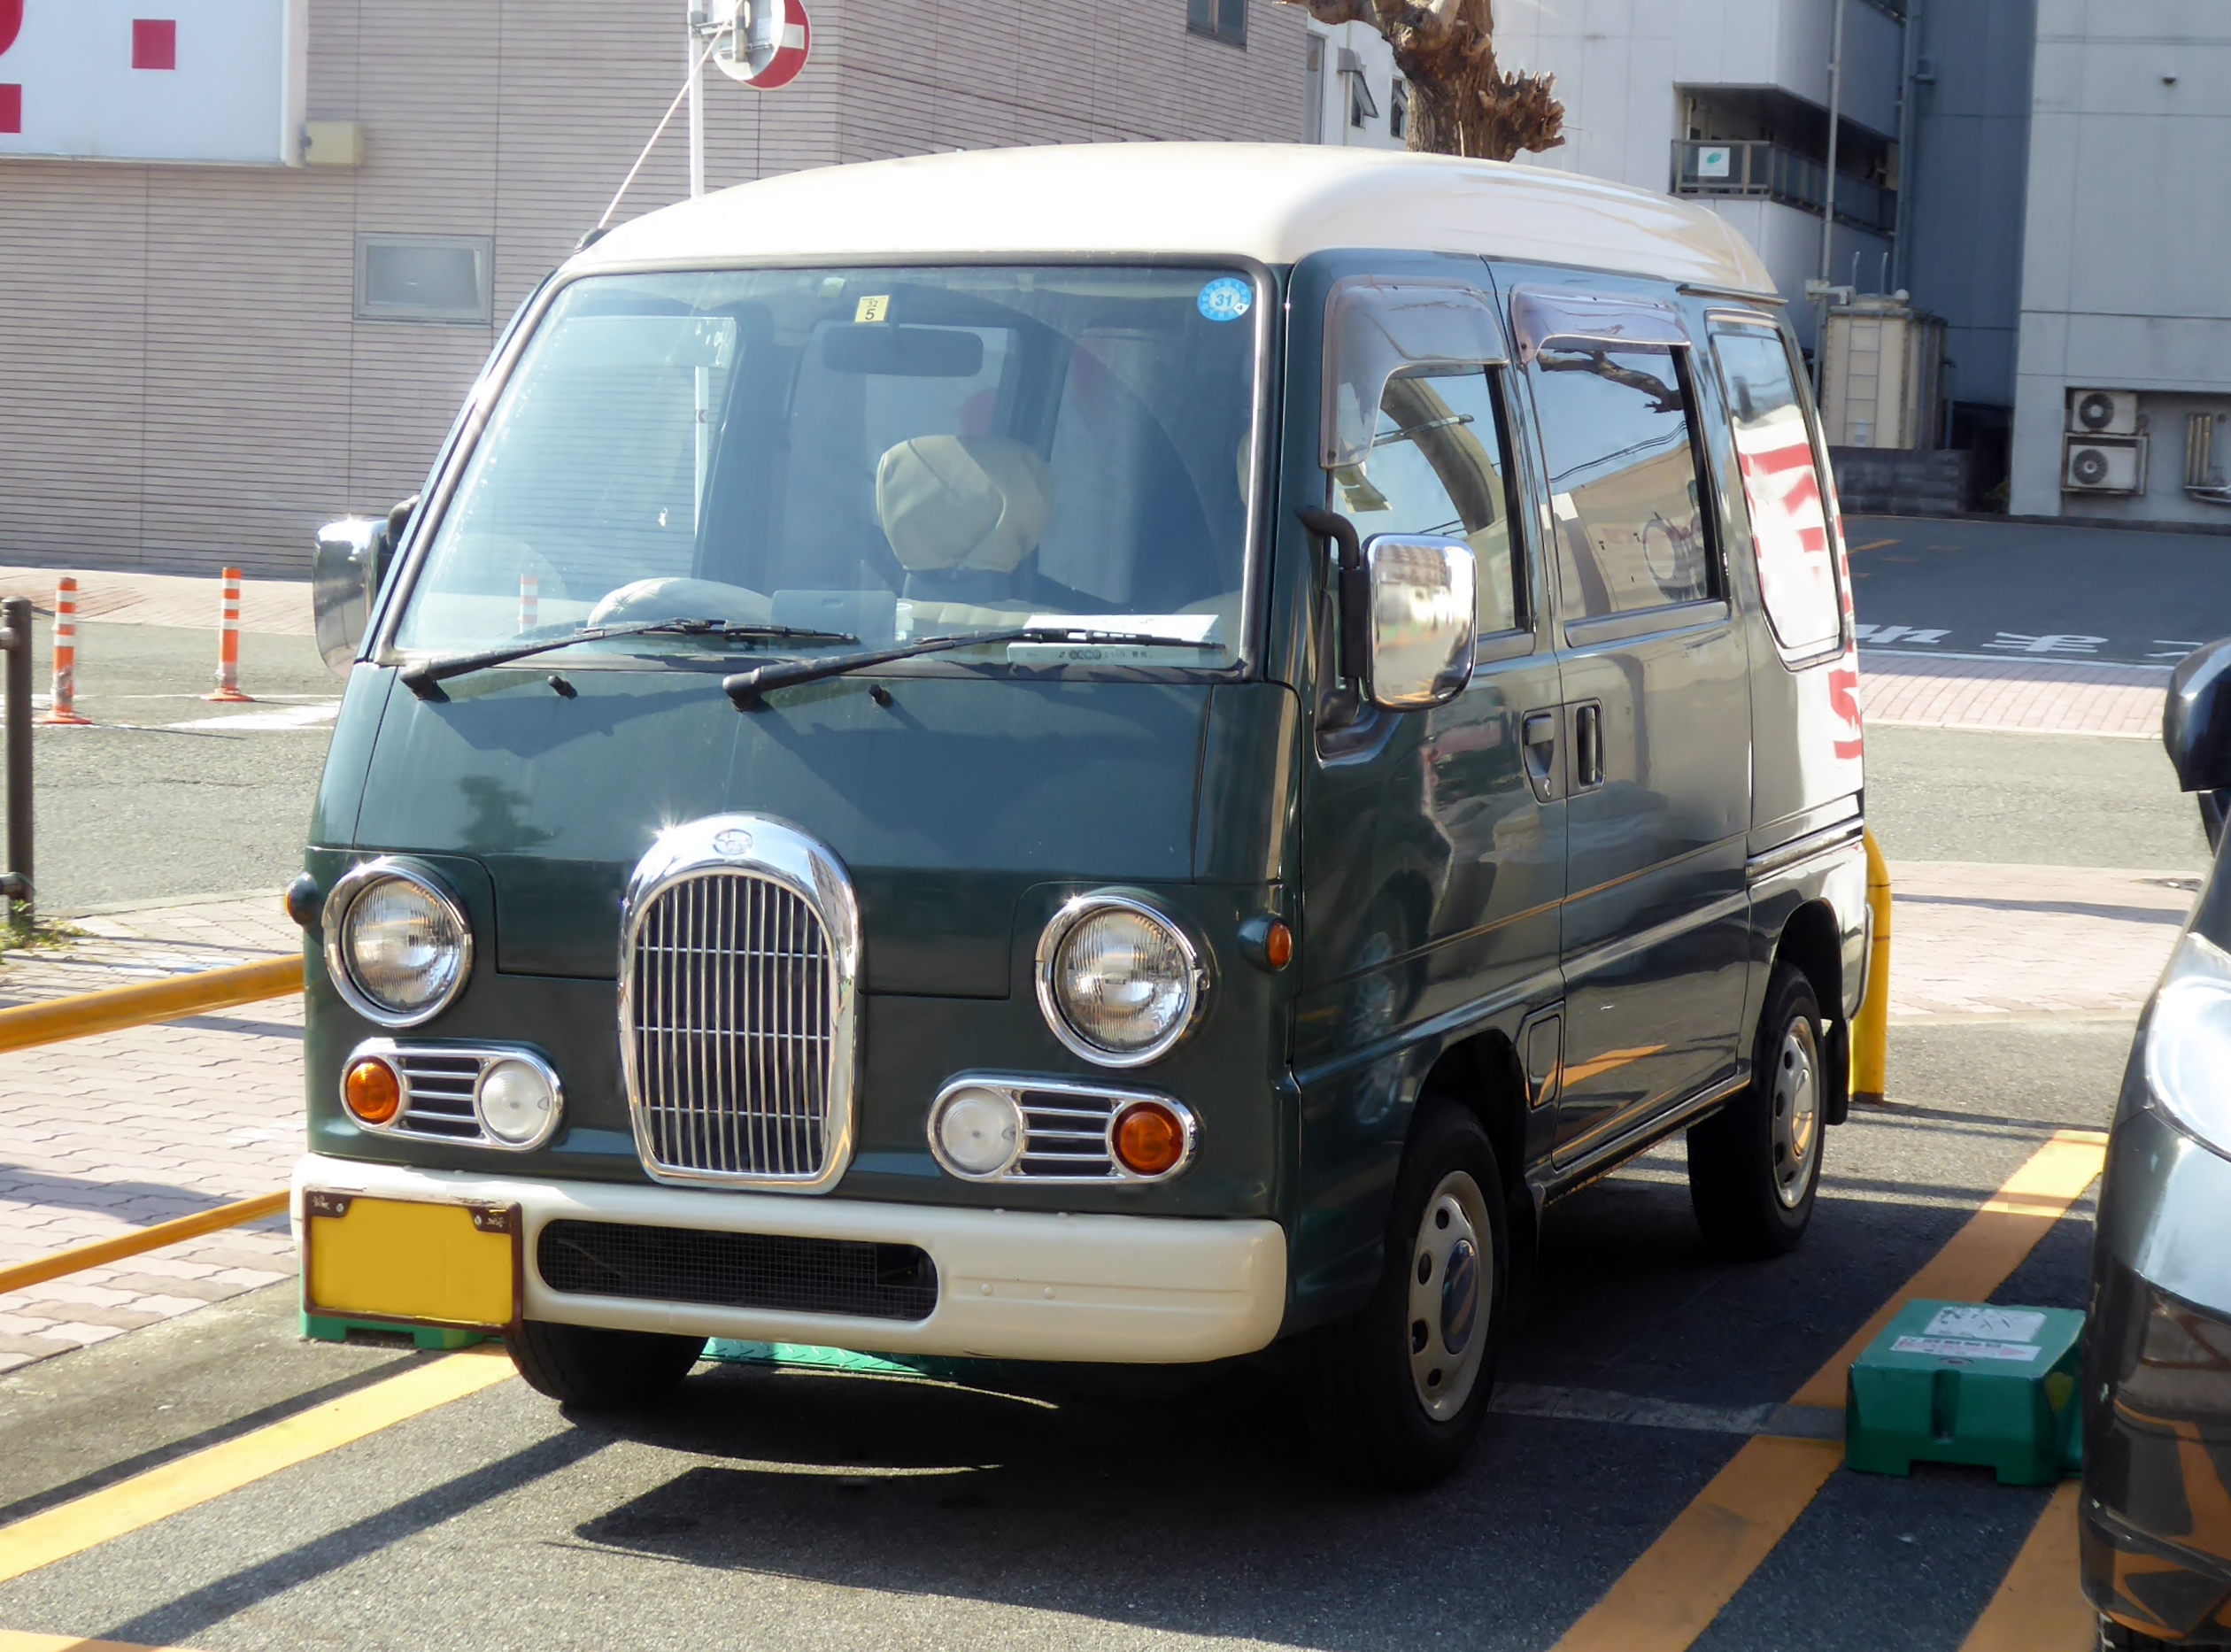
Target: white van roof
1275	202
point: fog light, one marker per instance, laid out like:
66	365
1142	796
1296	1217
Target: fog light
976	1131
1149	1139
518	1102
371	1092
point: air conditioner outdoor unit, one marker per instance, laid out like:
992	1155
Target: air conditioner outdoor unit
2104	464
2103	413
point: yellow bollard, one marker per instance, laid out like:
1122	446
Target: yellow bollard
1871	1027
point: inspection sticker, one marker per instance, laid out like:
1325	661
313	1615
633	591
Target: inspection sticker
1966	1348
1993	1325
1226	298
872	309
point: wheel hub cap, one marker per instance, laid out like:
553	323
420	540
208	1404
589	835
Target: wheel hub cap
1796	1111
1451	1267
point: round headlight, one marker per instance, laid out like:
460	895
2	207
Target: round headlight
1118	982
399	948
518	1102
976	1130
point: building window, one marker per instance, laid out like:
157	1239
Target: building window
1398	111
1219	19
425	278
1361	106
1313	92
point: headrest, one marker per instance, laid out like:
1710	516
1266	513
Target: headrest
980	503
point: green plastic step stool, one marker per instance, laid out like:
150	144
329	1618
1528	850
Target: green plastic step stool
1973	1383
317	1328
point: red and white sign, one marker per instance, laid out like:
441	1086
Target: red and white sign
215	82
767	44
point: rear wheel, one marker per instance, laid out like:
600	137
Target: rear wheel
600	1370
2114	1638
1401	1388
1755	1166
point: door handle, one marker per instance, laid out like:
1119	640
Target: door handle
1539	733
1588	746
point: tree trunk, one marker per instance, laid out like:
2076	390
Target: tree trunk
1462	102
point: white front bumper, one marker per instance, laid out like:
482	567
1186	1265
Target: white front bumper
1011	1285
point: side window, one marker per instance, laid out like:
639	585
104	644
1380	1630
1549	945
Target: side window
1439	465
1617	429
1788	519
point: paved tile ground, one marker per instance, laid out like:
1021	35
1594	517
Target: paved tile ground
2044	698
279	607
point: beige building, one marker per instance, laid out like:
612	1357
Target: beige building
201	362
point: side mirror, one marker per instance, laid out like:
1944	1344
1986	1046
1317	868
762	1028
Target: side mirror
1421	619
346	571
2196	723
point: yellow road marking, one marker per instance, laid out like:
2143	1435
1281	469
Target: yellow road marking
1676	1587
1873	545
39	1269
2040	1606
94	1519
16	1640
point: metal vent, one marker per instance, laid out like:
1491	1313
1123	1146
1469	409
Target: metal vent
439	1085
772	1272
737	1006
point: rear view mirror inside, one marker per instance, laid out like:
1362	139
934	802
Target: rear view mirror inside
905	353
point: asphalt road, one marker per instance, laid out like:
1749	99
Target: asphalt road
167	795
2018	591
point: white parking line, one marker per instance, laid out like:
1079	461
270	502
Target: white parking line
280	719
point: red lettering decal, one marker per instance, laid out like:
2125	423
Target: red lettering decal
11	109
155	43
10	22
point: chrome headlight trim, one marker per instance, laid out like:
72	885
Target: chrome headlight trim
2187	1053
399	1056
340	903
1049	947
780	854
1119	1099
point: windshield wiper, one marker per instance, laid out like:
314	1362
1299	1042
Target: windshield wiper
749	689
425	678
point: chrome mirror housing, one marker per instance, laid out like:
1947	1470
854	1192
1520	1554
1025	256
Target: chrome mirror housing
342	574
1421	619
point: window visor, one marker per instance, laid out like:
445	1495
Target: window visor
1538	315
1375	329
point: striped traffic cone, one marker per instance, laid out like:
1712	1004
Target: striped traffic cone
529	600
229	647
62	707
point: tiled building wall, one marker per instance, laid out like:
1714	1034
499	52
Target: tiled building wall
182	382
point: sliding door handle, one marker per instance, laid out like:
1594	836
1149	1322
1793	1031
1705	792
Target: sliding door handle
1540	735
1588	746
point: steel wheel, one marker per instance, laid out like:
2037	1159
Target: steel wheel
1452	1262
1796	1111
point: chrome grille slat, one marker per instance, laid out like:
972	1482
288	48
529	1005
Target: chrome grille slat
732	1038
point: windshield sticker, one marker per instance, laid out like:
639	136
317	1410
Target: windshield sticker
1226	298
872	309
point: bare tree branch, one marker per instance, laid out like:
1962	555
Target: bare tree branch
1462	102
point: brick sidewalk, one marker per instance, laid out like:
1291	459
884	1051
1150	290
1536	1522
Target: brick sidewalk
2037	696
99	1136
279	607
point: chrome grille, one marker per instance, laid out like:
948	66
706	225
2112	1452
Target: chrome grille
439	1088
1065	1136
733	999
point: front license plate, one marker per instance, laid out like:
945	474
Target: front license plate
411	1262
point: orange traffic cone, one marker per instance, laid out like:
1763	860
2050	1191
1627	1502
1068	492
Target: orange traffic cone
228	648
529	600
62	707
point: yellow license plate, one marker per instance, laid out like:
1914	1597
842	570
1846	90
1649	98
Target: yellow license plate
391	1259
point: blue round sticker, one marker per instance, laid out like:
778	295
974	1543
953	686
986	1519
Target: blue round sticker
1226	298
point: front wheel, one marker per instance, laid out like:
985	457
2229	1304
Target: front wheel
1402	1387
1755	1166
600	1370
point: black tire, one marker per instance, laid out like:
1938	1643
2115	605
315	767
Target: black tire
1369	1415
600	1370
1754	1167
2114	1638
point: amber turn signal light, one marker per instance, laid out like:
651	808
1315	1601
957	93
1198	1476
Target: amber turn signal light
1277	946
372	1091
1150	1138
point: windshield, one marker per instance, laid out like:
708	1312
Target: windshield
888	454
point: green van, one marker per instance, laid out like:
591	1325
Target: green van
1111	753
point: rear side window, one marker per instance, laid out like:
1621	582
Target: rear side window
1781	486
1617	430
1438	466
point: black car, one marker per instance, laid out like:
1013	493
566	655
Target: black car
2157	1504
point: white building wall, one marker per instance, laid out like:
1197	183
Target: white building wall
2128	238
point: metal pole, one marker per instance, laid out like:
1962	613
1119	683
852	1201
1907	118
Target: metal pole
697	100
1909	85
1828	194
15	632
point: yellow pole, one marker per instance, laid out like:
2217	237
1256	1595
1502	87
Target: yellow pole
144	1003
39	1269
1871	1028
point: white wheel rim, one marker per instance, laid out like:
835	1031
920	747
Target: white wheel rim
1796	1101
1451	1274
